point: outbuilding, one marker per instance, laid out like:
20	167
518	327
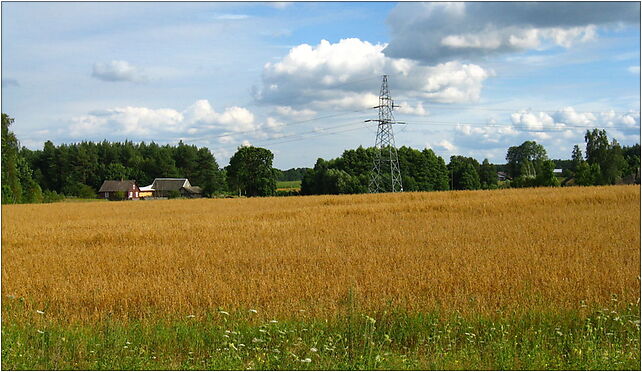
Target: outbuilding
112	190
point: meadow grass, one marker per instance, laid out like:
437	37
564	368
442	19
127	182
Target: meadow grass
507	279
603	339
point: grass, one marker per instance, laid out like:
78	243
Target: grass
604	339
504	279
288	185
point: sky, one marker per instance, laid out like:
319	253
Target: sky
301	78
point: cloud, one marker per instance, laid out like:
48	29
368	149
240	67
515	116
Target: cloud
280	4
236	119
406	108
118	71
231	17
347	75
8	82
634	70
446	145
439	32
144	123
558	130
289	112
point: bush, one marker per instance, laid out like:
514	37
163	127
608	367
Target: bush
52	197
118	195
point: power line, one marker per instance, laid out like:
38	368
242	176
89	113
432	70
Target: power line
512	126
518	110
228	133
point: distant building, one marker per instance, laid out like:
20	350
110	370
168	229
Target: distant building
163	187
557	171
112	189
146	191
502	176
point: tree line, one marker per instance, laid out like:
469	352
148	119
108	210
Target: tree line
79	169
527	165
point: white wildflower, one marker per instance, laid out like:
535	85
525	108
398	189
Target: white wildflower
191	316
306	360
253	311
41	332
273	321
224	312
40	312
313	349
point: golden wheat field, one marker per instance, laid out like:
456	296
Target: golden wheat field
478	251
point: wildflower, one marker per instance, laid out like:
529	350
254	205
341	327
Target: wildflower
241	345
306	360
255	340
40	312
41	332
191	316
273	321
224	312
253	311
227	331
313	349
128	343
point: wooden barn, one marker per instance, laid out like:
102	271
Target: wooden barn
163	187
112	189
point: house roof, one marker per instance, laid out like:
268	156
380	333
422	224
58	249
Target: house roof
168	184
111	186
194	189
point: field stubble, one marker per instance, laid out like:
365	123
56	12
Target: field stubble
469	252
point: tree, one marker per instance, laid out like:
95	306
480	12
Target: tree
608	155
576	158
207	174
529	151
546	177
464	175
251	173
488	175
11	188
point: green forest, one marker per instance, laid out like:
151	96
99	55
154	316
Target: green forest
77	170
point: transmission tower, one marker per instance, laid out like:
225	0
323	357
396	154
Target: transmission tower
386	175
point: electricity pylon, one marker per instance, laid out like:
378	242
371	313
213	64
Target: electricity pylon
386	159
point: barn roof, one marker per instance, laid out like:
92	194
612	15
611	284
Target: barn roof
168	184
194	189
111	186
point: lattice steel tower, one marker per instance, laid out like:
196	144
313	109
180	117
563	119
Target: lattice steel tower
386	161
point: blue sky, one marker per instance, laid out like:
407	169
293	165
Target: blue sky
300	78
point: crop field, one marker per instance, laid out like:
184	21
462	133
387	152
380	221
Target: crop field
506	279
288	185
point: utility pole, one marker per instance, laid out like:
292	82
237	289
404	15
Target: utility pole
386	159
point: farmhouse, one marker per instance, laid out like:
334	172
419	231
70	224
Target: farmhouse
164	187
113	189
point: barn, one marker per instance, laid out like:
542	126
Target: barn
111	190
164	187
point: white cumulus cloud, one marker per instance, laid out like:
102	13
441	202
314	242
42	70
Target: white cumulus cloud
347	74
198	119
